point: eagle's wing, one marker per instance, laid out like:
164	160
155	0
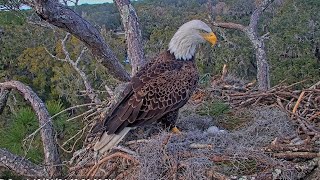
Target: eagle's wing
153	92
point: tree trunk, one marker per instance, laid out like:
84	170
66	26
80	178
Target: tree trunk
133	34
261	59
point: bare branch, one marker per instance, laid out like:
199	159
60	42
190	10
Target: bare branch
55	57
265	36
230	25
21	165
110	92
50	149
64	47
133	34
63	17
89	89
293	155
80	56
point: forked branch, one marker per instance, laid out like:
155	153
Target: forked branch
74	64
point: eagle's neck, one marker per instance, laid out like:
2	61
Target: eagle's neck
183	45
174	57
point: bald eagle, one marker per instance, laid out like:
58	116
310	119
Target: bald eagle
159	89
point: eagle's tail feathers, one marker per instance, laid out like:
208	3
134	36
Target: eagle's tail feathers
108	141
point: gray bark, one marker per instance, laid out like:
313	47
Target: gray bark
133	34
50	149
21	165
263	74
66	19
4	94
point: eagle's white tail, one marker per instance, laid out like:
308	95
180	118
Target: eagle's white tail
108	141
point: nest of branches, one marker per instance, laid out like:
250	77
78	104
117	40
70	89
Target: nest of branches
302	106
286	143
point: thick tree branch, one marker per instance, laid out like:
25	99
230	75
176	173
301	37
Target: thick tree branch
4	94
230	25
21	165
50	149
66	19
133	34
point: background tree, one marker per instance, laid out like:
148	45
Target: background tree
263	74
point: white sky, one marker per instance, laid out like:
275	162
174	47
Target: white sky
80	2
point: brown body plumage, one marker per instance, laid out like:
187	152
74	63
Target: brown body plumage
162	86
159	89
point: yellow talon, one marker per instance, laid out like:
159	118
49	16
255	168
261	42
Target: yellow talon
176	130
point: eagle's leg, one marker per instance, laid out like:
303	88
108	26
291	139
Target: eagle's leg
169	121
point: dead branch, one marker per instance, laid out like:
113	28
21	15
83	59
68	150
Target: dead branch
291	148
216	175
50	149
229	25
133	34
21	165
201	146
74	64
125	150
137	141
4	94
300	105
315	85
63	17
94	169
298	102
224	72
294	155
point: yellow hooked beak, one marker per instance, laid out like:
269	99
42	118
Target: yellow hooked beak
211	37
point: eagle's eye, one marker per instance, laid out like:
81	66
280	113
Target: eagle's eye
203	31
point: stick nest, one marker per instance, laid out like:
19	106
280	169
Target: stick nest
281	141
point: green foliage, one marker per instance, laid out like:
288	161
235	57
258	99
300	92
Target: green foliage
24	122
102	15
213	108
235	119
35	69
239	166
21	124
64	129
12	18
295	33
15	40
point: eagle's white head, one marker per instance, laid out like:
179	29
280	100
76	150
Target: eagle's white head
184	42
